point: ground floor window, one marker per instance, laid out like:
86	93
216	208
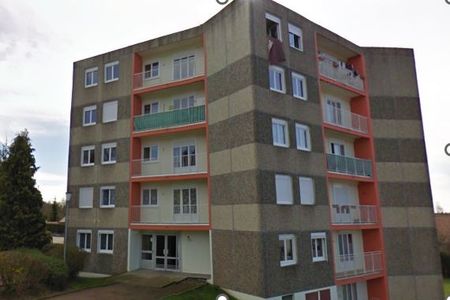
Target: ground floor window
288	249
84	240
105	241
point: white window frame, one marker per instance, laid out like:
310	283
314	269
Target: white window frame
284	238
90	109
280	193
111	65
278	21
302	80
87	148
151	70
84	231
188	59
151	107
276	69
99	242
149	159
192	208
149	189
109	146
115	105
88	71
304	201
109	205
303	128
295	30
322	237
91	194
284	123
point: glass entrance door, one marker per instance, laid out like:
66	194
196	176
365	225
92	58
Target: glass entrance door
147	251
166	252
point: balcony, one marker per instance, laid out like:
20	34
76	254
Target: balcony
349	165
337	70
345	119
174	118
353	214
168	215
141	80
186	164
350	265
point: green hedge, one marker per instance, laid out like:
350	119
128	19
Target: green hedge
55	228
20	271
75	257
58	273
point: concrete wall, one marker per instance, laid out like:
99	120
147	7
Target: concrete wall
409	230
195	255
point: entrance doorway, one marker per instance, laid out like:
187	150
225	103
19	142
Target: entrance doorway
166	257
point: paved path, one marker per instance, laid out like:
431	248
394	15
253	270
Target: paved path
132	286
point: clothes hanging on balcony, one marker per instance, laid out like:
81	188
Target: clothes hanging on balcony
276	53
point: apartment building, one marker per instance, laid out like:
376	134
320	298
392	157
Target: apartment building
260	150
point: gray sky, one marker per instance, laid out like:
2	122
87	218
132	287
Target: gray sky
40	39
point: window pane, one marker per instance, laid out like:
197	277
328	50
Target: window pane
103	241
85	156
282	252
154	153
113	154
145	197
146	153
110	241
106	154
88	241
289	250
92	158
112	196
154	197
82	238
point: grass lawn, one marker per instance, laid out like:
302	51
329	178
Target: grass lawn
206	292
86	283
447	287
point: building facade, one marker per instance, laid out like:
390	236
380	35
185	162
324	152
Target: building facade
261	150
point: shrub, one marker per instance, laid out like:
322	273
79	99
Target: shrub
58	274
55	228
20	271
75	257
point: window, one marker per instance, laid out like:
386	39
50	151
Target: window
287	297
185	201
150	197
295	37
319	295
319	246
105	241
334	111
84	240
280	134
273	26
184	156
110	111
151	108
185	102
87	156
306	186
151	153
86	197
91	77
299	86
283	186
183	67
348	292
303	137
151	70
109	153
112	71
288	249
107	196
90	115
276	79
337	148
345	247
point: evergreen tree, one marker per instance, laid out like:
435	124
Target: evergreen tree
54	213
21	221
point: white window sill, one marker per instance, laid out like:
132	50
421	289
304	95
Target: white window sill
304	149
85	250
108	162
285	203
84	207
87	165
92	85
107	206
149	161
150	205
111	80
110	121
295	48
151	78
300	98
281	145
88	124
287	263
319	259
105	251
278	91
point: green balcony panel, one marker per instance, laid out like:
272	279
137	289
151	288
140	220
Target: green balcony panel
168	119
349	165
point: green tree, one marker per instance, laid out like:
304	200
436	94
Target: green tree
21	221
54	212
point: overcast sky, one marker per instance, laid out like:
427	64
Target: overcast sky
40	40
